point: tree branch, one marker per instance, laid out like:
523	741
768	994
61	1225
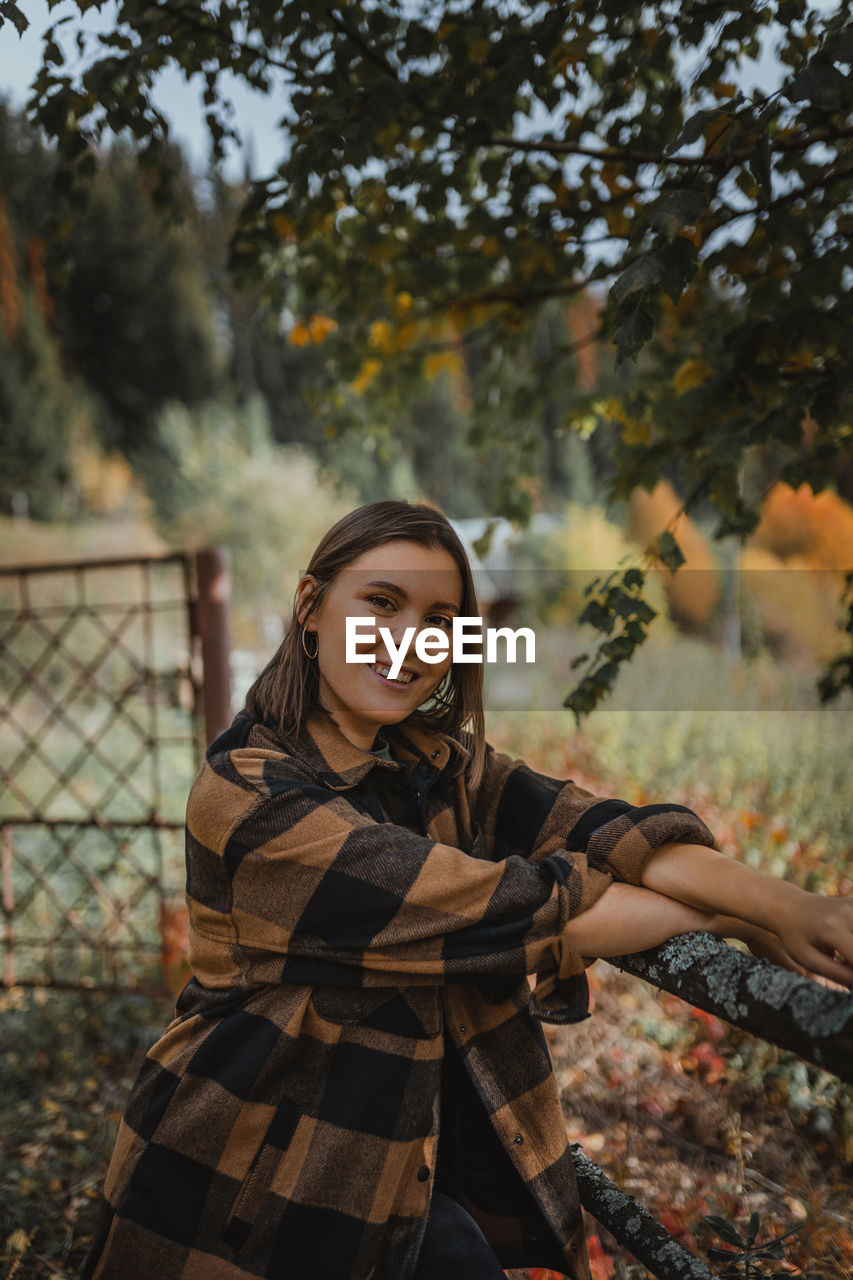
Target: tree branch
211	29
775	1004
632	1224
555	147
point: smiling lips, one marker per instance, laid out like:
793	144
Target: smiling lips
404	677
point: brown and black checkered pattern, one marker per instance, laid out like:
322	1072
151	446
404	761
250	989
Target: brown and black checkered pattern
346	913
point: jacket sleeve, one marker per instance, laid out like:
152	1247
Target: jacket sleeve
305	875
525	813
522	813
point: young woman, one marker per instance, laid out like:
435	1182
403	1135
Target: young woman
356	1085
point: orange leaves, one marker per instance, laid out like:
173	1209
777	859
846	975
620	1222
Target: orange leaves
10	294
312	332
799	522
601	1264
366	375
283	226
693	591
174	945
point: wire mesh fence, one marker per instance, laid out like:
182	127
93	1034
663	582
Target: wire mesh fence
100	695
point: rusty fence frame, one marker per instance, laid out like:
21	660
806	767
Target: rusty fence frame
47	605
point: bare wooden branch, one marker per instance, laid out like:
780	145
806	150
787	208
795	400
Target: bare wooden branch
784	1008
633	1226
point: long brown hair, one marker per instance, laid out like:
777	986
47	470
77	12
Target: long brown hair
287	690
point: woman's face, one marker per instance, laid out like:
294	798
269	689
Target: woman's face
398	585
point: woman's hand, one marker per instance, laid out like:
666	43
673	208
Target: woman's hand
818	933
815	932
763	943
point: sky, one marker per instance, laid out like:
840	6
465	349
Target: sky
256	114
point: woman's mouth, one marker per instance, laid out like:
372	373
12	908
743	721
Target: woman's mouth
403	679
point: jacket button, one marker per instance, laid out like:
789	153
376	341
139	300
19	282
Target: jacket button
462	1028
423	1173
435	755
518	1139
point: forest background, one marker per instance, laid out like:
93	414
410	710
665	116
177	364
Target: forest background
190	358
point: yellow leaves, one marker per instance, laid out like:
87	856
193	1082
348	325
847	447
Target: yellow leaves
635	431
490	247
449	362
478	49
365	376
572	52
561	192
724	89
618	224
692	373
18	1241
403	303
651	37
379	336
388	136
612	173
446	29
283	226
313	332
385	337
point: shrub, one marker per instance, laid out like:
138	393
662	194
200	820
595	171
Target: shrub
693	592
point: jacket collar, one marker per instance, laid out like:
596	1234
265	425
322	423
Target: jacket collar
339	764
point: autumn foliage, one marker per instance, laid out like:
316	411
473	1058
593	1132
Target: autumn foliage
694	590
792	569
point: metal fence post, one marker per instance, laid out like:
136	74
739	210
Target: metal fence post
213	622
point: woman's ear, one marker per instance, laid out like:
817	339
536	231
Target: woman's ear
305	594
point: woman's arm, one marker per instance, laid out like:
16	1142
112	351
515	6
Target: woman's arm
816	932
627	918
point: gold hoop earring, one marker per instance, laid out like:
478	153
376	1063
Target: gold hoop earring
305	646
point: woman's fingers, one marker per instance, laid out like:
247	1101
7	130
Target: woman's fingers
820	936
827	966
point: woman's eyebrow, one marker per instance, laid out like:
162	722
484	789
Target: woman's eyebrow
384	585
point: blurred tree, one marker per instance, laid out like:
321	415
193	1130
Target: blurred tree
133	312
453	168
36	402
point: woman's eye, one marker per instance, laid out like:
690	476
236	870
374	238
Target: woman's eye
437	620
381	602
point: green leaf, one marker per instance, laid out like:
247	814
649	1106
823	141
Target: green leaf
641	277
10	12
631	333
667	550
678	266
820	84
752	1229
679	209
693	130
725	1230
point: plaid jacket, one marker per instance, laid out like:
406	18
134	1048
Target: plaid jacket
346	914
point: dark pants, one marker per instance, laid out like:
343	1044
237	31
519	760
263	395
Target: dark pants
454	1247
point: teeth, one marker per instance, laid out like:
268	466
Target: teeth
403	678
